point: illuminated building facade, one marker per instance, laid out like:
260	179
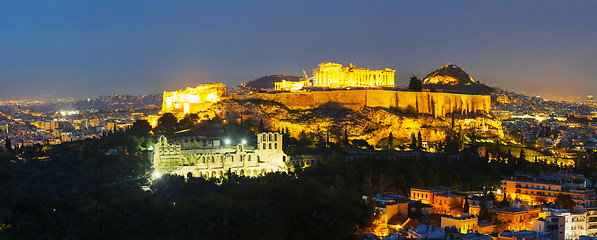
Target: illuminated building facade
291	86
591	100
517	219
195	157
591	220
427	194
192	100
538	190
464	224
335	75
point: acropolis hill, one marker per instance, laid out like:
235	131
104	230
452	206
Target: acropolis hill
371	112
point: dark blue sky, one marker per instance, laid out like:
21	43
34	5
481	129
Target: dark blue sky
85	49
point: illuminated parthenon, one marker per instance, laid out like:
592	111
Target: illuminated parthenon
335	75
192	100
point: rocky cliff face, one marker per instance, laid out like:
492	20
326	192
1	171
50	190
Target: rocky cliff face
368	123
434	103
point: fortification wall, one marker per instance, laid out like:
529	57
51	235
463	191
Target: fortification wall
433	103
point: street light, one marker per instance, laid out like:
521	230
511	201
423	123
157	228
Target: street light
227	141
244	142
157	174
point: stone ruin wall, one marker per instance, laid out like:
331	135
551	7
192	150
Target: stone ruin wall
434	103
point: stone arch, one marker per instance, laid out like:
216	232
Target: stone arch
275	137
242	172
234	172
263	146
189	175
213	174
275	145
270	146
255	173
271	137
263	172
220	173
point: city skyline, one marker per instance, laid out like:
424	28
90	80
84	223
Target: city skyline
81	50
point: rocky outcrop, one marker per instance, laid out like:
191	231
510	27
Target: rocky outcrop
451	78
437	104
367	123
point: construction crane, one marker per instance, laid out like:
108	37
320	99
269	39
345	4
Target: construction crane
306	77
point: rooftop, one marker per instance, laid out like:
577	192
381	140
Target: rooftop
431	188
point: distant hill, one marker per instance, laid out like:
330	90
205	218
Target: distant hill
267	82
451	78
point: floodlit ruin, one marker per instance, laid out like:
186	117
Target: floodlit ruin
192	100
208	158
334	75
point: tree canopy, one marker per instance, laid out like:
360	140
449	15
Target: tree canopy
415	84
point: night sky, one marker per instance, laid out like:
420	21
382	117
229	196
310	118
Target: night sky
81	49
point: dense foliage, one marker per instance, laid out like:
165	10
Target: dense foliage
92	189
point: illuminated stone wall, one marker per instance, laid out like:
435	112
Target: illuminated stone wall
335	75
434	103
192	100
211	159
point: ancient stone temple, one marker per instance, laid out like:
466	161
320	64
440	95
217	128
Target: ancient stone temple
192	100
200	157
335	75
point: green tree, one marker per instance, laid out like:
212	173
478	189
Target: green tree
304	139
187	122
391	141
456	207
522	157
140	127
415	84
565	201
413	142
8	144
485	215
419	141
167	123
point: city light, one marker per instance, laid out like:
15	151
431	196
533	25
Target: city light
243	142
157	174
227	141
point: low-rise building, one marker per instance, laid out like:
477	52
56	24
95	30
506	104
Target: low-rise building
426	194
517	219
464	224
